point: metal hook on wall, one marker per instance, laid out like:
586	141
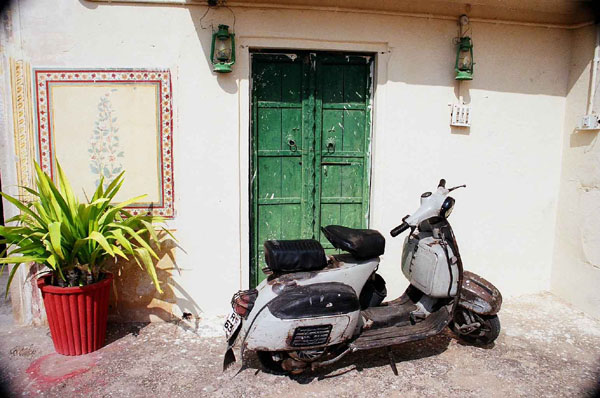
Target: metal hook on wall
216	4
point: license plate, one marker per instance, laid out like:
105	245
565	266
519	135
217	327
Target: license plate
231	324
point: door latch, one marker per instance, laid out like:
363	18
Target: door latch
291	143
330	144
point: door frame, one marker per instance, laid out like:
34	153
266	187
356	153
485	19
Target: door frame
243	75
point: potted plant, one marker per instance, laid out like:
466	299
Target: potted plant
76	242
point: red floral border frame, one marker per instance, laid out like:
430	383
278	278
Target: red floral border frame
43	77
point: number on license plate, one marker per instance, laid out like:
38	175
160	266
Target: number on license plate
231	324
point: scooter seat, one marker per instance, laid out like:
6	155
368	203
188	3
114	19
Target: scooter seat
295	255
361	243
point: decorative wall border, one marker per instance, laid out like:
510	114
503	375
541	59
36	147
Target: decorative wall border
44	77
20	81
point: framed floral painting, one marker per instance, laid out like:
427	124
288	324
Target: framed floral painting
98	123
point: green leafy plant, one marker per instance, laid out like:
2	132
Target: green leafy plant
77	241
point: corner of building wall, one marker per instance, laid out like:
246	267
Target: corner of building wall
561	163
572	277
11	50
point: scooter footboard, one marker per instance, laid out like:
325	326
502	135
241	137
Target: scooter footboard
270	333
479	295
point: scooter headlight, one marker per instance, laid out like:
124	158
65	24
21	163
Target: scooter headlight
447	207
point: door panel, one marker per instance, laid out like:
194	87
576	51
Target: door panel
353	139
280	178
331	84
310	158
276	162
291	123
356	81
341	180
343	127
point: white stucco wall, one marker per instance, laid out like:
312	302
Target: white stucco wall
510	158
22	299
576	271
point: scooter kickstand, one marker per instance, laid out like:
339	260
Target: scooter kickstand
392	361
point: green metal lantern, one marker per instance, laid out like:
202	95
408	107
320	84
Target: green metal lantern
222	50
464	59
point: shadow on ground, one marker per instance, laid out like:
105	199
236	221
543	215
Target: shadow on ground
359	361
117	331
547	348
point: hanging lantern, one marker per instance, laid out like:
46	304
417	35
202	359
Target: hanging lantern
223	50
464	59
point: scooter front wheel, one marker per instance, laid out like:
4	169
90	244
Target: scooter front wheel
475	329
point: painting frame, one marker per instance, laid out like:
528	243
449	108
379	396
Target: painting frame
47	78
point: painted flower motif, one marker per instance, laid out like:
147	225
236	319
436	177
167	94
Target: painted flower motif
104	150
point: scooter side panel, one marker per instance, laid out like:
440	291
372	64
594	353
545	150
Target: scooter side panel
479	295
269	333
425	265
347	270
353	274
316	300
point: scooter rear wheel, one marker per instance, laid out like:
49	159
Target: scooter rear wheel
294	362
483	335
269	363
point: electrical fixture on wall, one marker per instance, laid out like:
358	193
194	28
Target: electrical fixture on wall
463	67
464	53
461	115
588	122
222	49
591	121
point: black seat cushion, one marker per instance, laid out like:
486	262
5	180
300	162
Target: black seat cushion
295	255
361	243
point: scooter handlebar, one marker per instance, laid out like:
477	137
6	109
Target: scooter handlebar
399	229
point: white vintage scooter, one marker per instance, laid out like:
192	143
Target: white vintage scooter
314	309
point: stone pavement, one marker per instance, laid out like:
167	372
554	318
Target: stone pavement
546	349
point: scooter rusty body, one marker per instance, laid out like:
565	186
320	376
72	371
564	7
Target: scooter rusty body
314	309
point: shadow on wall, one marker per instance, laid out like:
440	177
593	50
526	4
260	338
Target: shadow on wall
582	57
515	59
523	60
461	89
508	58
582	138
135	298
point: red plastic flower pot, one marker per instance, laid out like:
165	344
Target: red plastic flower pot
76	315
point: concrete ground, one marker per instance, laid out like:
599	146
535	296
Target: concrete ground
546	348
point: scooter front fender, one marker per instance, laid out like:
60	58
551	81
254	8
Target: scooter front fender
479	295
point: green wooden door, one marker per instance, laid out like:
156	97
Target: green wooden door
310	147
